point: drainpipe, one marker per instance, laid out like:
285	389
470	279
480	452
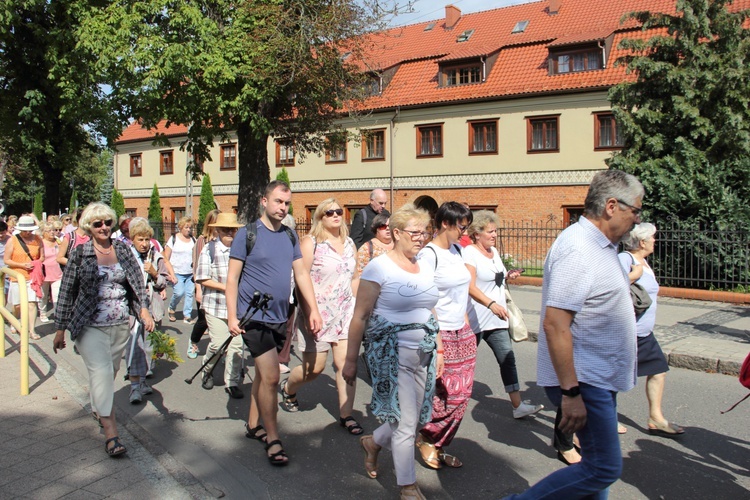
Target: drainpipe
604	54
393	124
484	68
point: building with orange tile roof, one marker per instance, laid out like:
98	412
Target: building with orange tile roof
504	109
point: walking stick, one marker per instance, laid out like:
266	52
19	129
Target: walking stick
254	302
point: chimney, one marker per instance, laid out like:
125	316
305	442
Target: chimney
452	15
554	6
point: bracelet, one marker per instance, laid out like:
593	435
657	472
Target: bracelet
489	306
441	351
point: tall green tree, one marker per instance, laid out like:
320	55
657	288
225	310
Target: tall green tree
242	65
38	208
73	201
283	175
51	100
118	203
686	117
207	202
686	126
154	206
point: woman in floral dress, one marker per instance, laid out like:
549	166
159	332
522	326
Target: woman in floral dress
330	255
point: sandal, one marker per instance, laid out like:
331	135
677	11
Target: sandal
278	458
664	429
354	428
411	492
34	336
621	429
429	453
254	433
449	460
288	401
98	420
371	455
172	317
117	447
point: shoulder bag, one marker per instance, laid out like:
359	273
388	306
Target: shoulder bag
516	325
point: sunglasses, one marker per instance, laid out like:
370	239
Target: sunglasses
384	226
100	223
338	211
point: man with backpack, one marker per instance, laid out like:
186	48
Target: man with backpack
360	232
262	256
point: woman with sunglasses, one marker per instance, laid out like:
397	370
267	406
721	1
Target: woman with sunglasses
403	349
377	246
328	253
488	317
101	287
453	389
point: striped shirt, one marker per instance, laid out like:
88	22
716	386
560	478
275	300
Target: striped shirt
582	274
214	301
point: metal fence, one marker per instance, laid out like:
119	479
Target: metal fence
687	258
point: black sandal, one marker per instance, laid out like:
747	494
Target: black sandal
278	458
288	401
354	429
117	447
254	433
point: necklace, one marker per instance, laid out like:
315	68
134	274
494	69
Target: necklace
102	251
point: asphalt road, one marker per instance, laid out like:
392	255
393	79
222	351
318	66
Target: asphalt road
202	431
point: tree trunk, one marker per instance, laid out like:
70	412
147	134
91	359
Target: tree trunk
52	183
254	172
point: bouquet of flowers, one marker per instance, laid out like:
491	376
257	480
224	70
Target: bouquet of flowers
164	346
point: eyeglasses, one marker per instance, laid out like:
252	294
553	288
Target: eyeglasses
461	228
636	211
100	223
337	211
415	235
227	229
66	220
384	226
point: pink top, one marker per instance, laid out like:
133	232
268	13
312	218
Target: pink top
51	267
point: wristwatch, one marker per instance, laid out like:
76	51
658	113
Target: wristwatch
572	392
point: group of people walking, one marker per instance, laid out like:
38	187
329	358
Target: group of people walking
418	302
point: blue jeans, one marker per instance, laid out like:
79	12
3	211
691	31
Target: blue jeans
499	342
600	448
184	287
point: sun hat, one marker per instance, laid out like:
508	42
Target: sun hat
226	220
26	223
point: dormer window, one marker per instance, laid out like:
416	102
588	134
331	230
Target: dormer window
463	37
373	85
572	61
464	74
430	27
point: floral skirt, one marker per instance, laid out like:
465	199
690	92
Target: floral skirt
453	389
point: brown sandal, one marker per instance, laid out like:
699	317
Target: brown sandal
449	460
371	455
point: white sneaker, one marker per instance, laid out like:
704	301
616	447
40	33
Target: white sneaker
44	319
135	396
145	389
525	409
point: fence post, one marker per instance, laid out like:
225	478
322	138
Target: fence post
22	326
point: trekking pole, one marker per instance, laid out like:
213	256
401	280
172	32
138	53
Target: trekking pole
256	300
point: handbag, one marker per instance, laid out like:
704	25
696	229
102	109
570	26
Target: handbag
640	297
516	325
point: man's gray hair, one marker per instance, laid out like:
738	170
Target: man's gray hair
609	184
641	232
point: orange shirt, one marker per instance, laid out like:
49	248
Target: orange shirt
19	255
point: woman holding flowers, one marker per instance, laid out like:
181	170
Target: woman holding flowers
102	285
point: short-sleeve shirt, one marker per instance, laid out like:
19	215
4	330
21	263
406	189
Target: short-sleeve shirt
214	301
266	269
452	280
404	297
582	274
644	325
482	319
182	254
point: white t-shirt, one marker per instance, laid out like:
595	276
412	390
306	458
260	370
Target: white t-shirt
481	318
404	297
182	255
452	280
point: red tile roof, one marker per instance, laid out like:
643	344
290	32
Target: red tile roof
521	64
136	132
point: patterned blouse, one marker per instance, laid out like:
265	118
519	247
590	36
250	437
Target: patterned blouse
112	304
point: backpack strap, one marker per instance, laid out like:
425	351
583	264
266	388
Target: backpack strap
252	235
369	248
436	257
24	247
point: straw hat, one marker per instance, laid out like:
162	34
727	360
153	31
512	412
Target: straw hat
26	223
226	220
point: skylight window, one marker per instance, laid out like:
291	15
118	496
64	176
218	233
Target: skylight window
520	27
429	27
465	36
345	56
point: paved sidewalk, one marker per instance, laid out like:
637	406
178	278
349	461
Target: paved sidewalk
713	337
50	446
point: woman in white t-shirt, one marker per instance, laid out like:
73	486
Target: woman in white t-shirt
179	252
404	352
452	278
489	317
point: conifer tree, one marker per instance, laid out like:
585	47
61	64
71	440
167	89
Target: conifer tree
118	203
207	202
154	206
